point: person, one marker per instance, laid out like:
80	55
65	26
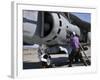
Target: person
75	53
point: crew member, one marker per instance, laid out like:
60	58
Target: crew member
75	53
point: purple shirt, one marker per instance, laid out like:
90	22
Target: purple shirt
75	42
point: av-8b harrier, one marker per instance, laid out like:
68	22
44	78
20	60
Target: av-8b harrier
53	29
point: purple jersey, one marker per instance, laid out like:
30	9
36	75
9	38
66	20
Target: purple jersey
75	42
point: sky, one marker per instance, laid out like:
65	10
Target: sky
84	16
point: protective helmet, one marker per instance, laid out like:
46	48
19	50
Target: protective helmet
74	33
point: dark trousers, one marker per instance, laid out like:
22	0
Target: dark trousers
75	54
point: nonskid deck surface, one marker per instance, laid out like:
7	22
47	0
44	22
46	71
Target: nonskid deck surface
31	60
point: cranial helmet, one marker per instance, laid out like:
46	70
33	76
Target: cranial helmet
74	33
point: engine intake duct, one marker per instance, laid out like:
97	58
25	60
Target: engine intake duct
45	24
